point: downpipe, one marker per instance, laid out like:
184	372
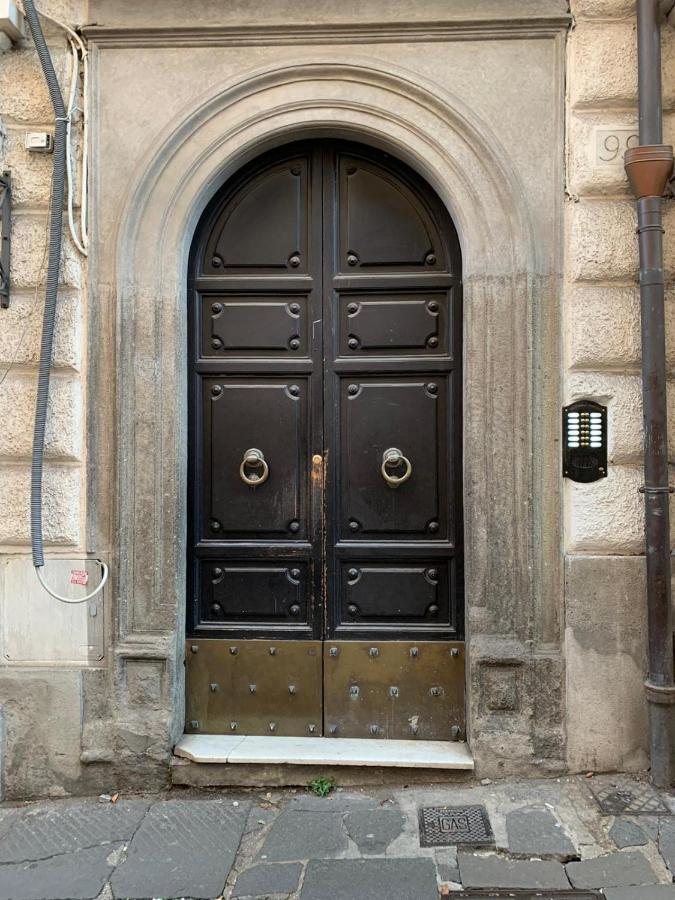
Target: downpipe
649	167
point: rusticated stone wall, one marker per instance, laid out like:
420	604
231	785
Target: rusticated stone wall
41	707
604	537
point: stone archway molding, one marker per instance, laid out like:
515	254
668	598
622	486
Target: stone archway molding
457	152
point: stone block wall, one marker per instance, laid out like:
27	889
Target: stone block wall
604	538
41	707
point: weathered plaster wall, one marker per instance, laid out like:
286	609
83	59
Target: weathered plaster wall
42	708
604	539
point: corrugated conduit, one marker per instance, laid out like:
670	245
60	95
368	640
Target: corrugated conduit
53	264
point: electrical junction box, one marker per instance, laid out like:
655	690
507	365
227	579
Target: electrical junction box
585	441
37	629
39	142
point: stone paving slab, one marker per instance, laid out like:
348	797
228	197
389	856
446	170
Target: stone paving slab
80	875
268	878
374	879
533	831
183	848
7	819
667	842
612	870
498	872
647	892
446	863
372	830
305	835
338	801
627	834
44	831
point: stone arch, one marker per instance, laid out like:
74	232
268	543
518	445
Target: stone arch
463	161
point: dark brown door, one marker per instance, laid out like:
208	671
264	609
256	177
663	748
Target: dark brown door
325	452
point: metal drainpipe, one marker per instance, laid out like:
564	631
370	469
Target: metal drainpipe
648	167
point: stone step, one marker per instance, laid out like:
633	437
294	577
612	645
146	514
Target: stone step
224	748
208	759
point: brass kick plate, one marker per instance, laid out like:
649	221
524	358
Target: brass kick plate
394	689
254	687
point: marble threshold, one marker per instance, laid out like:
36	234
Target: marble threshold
318	751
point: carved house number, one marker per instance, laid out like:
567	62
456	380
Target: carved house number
612	143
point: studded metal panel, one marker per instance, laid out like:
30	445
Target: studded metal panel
253	687
401	690
628	798
445	826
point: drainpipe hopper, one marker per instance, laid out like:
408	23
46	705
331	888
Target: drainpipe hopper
649	167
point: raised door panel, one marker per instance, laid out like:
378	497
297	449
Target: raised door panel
380	415
254	325
394	593
265	226
247	592
394	323
261	499
383	225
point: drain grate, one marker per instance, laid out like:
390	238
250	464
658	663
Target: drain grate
628	798
527	895
445	826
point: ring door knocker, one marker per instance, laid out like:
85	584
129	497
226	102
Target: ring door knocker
393	458
254	459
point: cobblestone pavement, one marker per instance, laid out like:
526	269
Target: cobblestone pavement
549	836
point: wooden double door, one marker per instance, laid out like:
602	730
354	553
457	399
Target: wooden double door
325	578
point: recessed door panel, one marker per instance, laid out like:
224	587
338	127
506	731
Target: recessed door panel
243	325
394	324
265	226
393	453
261	493
249	592
383	225
392	593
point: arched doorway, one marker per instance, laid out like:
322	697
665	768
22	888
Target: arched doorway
325	555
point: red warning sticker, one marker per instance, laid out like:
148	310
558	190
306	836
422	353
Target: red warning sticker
79	576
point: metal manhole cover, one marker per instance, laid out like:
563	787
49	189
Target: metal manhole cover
445	826
628	798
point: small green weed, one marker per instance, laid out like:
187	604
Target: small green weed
321	786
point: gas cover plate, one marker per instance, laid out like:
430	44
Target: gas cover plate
447	826
394	689
253	687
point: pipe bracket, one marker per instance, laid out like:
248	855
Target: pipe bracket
663	694
5	228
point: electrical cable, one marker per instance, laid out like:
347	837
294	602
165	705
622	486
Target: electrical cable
51	292
76	45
